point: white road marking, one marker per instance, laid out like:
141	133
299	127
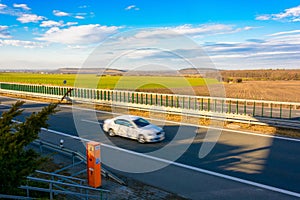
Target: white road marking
186	124
89	121
267	187
206	171
194	125
185	166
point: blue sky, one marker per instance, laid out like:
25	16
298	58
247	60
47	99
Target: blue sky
233	34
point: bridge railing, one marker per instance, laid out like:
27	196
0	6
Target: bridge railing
247	107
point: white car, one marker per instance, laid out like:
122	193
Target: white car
133	127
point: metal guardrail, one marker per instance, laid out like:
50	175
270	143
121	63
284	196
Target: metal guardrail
78	155
6	196
228	109
103	194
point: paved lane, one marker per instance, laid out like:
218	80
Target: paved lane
260	159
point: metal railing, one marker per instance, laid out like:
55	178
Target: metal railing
85	191
172	102
75	154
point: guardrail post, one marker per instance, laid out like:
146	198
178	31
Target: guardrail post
161	100
87	93
215	106
271	110
167	103
177	102
280	111
253	113
182	102
229	107
51	192
245	108
146	99
156	100
97	94
262	109
237	107
132	97
142	98
290	114
151	99
222	106
208	104
137	98
195	103
189	99
172	101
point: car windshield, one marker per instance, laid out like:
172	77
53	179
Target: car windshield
140	122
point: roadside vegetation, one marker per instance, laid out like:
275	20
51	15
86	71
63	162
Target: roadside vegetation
16	161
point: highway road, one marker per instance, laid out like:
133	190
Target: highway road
240	166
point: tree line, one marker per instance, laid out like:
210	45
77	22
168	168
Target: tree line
267	74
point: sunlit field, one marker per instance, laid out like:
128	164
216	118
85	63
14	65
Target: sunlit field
106	82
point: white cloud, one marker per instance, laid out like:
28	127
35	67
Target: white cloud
21	43
83	6
192	30
50	23
79	17
280	45
2	6
290	14
27	18
23	6
4	33
188	29
263	17
60	13
132	7
78	35
285	33
71	23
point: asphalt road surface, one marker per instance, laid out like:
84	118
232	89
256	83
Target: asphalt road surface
239	165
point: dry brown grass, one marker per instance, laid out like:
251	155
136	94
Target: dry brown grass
265	90
259	90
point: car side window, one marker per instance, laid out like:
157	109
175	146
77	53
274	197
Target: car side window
118	121
123	122
127	123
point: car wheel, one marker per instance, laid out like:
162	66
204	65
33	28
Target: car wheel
111	132
141	139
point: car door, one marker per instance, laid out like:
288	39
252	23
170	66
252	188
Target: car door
130	130
123	127
117	125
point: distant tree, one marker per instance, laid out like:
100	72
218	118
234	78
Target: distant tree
16	161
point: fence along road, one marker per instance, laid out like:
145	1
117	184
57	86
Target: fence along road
198	105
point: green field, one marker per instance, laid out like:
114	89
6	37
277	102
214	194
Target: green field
106	82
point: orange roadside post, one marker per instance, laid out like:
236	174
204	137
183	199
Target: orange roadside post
93	164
